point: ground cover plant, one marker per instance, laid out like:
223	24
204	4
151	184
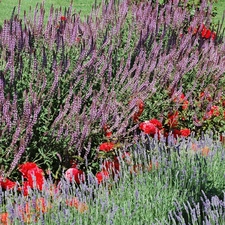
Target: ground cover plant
75	94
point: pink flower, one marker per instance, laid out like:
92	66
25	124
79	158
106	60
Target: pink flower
75	174
148	127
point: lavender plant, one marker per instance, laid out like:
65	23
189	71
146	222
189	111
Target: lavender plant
185	187
61	82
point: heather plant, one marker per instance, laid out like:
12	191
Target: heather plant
63	81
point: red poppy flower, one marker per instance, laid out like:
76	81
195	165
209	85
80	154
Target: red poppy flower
207	96
102	176
7	184
215	110
63	18
206	33
106	146
75	174
223	103
73	164
148	127
185	132
179	98
140	105
222	139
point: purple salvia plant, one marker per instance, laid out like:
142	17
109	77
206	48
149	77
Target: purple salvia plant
148	62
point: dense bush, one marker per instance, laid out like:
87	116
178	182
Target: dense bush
63	82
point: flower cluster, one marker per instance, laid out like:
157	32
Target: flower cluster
203	31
